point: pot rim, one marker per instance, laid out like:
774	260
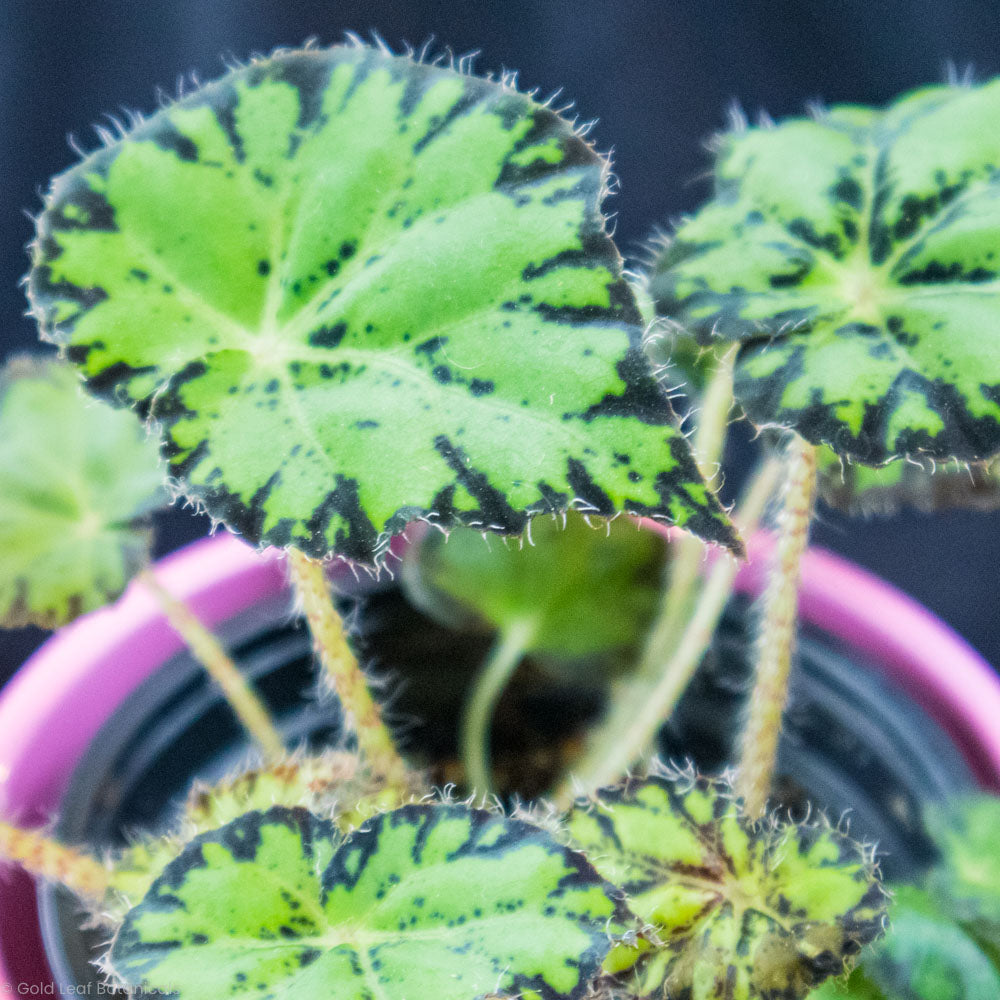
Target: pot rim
924	656
44	728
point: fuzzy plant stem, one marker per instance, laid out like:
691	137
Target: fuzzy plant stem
776	640
507	653
45	858
713	417
342	670
208	651
685	569
632	724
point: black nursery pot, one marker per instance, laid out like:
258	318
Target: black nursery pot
176	727
854	742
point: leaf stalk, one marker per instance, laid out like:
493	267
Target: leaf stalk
686	564
776	640
496	672
344	673
632	724
46	858
207	649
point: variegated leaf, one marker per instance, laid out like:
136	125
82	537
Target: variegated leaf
354	290
426	901
78	481
855	255
742	910
925	486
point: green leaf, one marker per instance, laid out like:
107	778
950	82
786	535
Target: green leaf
927	956
738	909
855	257
588	591
331	783
927	487
426	901
968	875
356	290
77	482
856	987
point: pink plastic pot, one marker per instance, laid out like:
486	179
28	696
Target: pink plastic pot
940	671
56	704
59	699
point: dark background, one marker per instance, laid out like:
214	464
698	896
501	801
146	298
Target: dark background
659	75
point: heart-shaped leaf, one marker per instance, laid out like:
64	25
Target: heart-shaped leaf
855	257
355	290
739	909
588	591
77	483
426	901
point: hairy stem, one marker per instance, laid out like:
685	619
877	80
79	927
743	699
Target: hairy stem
713	418
45	858
342	670
685	564
780	602
208	651
633	721
489	684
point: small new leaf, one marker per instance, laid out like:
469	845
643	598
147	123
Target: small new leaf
737	909
855	256
354	290
426	901
78	480
589	591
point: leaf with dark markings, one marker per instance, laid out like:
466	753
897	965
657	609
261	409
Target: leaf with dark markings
925	486
856	257
331	783
589	591
354	290
943	941
738	909
77	483
426	901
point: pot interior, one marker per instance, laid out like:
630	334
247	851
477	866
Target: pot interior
853	745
